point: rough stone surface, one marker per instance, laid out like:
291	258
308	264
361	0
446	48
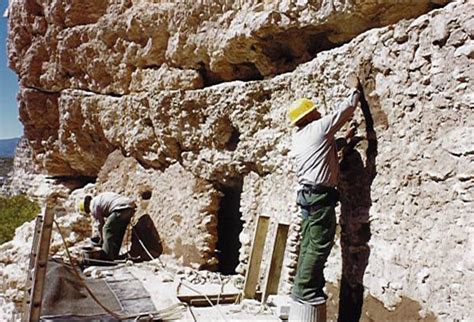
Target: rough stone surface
182	206
29	178
134	76
24	177
124	47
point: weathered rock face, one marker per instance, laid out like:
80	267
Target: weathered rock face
133	76
122	47
24	177
183	207
28	178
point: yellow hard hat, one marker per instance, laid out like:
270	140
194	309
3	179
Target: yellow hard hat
80	206
299	109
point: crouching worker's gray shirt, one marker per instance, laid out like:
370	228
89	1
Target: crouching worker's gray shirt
314	146
105	203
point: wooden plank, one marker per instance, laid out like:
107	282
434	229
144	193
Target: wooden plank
41	261
31	265
278	252
251	277
200	300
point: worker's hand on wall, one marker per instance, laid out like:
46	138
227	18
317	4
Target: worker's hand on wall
359	85
353	81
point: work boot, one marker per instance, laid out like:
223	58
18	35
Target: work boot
96	241
305	312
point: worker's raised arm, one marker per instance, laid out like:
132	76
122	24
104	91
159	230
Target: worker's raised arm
334	121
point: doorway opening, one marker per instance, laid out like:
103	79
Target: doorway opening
229	226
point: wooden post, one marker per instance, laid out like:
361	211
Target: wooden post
278	252
41	261
31	266
251	277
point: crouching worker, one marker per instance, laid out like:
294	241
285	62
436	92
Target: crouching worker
315	155
113	213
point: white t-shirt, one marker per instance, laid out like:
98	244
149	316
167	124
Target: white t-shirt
314	146
105	203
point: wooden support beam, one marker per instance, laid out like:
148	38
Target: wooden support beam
31	266
201	300
278	252
41	260
251	277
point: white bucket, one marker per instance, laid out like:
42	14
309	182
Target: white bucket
300	312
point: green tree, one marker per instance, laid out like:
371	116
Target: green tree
14	211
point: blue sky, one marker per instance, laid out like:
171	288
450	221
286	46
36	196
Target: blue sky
10	126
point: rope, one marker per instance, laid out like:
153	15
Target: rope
207	299
81	280
143	245
160	314
192	313
146	250
221	290
181	281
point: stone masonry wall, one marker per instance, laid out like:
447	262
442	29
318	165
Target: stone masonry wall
193	102
182	206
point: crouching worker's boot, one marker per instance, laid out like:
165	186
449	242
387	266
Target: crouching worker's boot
95	257
96	241
301	311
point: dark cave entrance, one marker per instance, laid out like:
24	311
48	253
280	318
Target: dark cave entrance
229	226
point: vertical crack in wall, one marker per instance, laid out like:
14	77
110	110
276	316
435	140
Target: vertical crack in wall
355	187
229	226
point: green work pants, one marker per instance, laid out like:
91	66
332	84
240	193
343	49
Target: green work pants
317	239
113	231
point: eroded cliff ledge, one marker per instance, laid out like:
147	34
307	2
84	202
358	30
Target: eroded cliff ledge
117	48
134	77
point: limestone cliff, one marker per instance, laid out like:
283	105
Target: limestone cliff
187	104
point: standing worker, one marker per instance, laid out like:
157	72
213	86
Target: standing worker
315	154
113	213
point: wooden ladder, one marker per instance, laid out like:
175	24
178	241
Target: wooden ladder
38	261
